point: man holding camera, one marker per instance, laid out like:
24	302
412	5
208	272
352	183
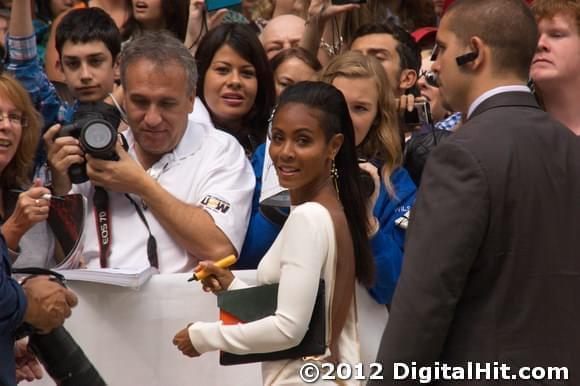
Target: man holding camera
40	302
182	188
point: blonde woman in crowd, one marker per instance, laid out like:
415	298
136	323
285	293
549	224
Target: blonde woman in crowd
372	107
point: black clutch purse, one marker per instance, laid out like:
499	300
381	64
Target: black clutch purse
253	303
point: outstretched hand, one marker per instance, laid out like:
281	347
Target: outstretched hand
183	343
324	9
195	22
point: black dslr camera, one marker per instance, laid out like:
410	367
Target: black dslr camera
95	126
61	356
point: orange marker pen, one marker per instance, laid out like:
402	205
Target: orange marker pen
223	263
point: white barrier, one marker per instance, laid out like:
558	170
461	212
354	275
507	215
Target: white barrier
127	334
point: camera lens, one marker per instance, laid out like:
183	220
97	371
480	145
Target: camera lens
64	360
367	183
431	79
98	136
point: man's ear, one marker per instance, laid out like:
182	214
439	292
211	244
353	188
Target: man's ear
117	69
407	79
478	48
191	100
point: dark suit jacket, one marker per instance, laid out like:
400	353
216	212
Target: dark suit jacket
491	270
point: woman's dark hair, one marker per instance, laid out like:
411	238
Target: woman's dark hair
244	41
298	53
175	13
335	119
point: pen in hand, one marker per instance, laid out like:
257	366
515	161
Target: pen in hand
223	263
46	196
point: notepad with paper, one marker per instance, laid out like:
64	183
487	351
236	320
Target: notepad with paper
123	277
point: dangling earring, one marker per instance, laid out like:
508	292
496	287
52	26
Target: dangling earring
334	175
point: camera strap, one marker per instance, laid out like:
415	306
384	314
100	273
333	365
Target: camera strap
103	221
151	242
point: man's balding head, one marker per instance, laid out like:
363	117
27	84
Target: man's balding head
281	33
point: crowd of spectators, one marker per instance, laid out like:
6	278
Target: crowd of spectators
199	172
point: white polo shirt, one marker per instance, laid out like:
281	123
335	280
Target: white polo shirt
208	169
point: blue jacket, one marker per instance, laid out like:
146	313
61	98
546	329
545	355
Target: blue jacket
261	231
387	244
12	308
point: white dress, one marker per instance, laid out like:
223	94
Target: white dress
303	252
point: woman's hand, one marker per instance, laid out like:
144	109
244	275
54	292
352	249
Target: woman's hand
219	279
183	343
324	10
319	13
195	25
30	209
374	173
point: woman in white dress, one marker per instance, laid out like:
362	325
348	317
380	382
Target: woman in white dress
325	236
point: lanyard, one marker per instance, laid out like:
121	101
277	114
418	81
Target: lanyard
103	223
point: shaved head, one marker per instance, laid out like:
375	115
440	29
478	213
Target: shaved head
508	27
281	33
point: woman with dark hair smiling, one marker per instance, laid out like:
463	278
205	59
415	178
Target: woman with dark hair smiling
325	237
236	83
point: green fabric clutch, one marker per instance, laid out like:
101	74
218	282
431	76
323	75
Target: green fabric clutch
254	303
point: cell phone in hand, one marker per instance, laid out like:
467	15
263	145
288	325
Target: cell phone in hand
214	5
420	115
342	2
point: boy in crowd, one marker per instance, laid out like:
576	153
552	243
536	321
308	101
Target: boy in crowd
88	43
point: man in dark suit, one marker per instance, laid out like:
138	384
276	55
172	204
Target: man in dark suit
491	271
